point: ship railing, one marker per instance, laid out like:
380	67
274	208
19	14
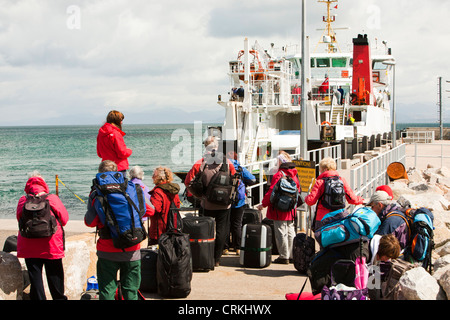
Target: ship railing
315	155
365	178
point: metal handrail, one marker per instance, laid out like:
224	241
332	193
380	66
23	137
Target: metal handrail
366	178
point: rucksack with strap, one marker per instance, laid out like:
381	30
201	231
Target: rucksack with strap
339	227
120	208
421	240
396	268
285	194
37	220
196	186
222	187
333	197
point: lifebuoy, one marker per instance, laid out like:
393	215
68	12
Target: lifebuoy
325	122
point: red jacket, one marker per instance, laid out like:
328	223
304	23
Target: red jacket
161	197
318	189
273	213
43	248
111	146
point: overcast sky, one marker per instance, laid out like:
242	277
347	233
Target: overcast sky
71	61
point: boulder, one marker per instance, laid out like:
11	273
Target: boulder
11	278
76	265
444	281
418	284
444	250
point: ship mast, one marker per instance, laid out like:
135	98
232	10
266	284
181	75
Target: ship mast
329	36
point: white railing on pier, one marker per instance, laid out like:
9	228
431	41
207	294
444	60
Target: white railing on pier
313	155
413	136
366	178
429	151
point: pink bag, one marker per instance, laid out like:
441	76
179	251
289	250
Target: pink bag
361	273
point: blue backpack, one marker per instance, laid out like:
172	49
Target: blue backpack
421	241
284	195
120	207
339	226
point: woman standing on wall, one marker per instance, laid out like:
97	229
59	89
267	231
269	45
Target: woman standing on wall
110	142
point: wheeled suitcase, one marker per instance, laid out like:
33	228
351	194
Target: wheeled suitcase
303	251
304	248
149	257
201	232
256	246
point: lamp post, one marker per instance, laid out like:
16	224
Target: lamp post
304	95
394	126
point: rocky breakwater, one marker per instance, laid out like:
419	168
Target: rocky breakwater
429	188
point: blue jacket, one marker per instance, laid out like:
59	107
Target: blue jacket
247	179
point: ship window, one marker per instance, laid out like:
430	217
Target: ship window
323	62
339	62
312	63
351	62
378	65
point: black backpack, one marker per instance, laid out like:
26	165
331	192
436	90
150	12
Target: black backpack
333	197
37	220
222	187
196	187
285	194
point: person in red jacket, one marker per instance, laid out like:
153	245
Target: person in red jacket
209	165
283	221
327	168
164	192
48	251
110	142
111	259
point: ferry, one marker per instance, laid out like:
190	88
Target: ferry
348	96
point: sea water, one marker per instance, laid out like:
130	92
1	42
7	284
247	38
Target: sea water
69	152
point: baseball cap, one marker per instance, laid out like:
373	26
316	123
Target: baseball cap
380	196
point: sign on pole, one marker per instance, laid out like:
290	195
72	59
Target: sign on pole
306	172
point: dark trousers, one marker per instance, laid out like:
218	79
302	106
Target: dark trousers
222	229
55	278
236	215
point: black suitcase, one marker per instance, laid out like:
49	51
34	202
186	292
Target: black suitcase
201	232
149	257
251	216
256	246
174	265
303	249
269	222
10	244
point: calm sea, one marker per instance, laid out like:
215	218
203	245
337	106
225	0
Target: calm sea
70	153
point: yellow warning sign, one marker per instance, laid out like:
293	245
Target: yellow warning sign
306	172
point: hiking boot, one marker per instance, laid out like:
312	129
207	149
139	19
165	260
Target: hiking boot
225	252
238	252
281	261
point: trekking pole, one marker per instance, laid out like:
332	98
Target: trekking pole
57	186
